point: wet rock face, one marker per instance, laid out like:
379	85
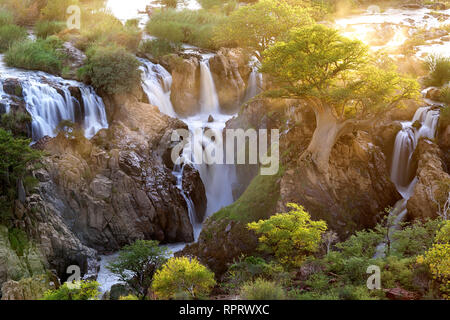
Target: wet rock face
195	190
116	188
431	177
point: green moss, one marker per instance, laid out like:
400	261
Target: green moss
257	202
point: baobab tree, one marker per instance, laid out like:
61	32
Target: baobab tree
337	78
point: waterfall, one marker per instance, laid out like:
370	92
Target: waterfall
49	106
423	124
3	99
209	100
255	80
49	101
156	83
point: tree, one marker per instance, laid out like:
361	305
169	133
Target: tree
183	277
257	26
137	264
335	77
290	236
15	156
80	290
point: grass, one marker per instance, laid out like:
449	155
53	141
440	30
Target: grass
6	17
257	202
159	47
43	29
36	55
439	71
9	34
186	26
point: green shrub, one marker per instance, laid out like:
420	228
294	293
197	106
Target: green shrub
445	96
262	289
290	236
186	26
79	290
159	47
183	276
43	29
439	71
36	55
248	269
9	34
57	9
129	297
111	69
6	17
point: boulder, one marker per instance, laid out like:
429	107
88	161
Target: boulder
400	294
27	289
195	190
74	60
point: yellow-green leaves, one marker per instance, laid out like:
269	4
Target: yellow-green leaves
290	236
183	277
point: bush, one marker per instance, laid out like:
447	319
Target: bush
250	268
186	26
159	47
57	9
6	17
128	297
111	69
43	29
79	290
9	34
261	289
36	55
137	264
289	236
183	276
439	71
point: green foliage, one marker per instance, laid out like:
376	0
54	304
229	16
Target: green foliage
257	202
159	47
262	289
439	71
79	290
186	26
9	34
56	10
36	55
183	276
289	236
18	240
43	29
111	69
169	3
16	122
248	269
415	239
71	131
6	17
259	25
137	264
128	297
15	156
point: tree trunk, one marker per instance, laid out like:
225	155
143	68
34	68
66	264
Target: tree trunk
325	136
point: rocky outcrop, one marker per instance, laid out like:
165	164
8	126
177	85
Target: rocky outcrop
431	181
185	90
18	258
358	190
74	59
193	188
229	68
27	288
116	188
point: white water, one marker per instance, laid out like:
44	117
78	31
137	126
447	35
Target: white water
48	107
402	174
3	99
209	101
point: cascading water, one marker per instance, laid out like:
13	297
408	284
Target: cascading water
255	80
423	124
209	100
49	101
3	99
156	83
